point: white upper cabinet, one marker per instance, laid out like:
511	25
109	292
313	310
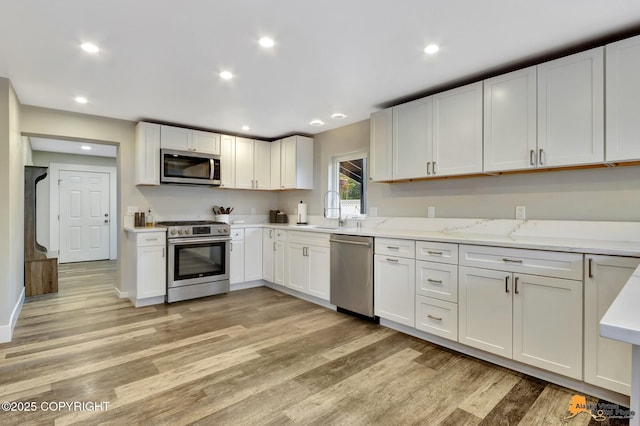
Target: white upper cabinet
182	139
244	163
457	131
381	146
571	110
206	142
510	121
275	164
622	106
296	163
261	165
412	139
227	161
176	138
147	154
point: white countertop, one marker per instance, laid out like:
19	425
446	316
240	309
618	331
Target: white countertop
141	229
606	238
622	319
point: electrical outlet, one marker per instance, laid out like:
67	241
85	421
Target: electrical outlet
131	210
521	212
253	210
431	211
373	211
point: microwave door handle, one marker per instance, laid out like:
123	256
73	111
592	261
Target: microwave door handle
213	168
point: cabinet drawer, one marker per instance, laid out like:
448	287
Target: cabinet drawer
393	247
308	238
281	235
535	262
237	235
437	280
437	252
437	317
145	239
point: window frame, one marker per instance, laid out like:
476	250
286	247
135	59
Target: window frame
334	182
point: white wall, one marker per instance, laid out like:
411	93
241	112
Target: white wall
12	157
592	194
44	159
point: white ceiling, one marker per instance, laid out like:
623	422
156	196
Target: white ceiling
160	59
73	147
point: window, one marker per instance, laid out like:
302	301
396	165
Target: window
348	177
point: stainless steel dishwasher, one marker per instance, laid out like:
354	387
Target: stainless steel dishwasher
352	275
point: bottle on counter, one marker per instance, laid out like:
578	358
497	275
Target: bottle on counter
149	219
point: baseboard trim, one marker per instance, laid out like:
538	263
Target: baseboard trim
121	294
548	376
299	295
248	284
6	331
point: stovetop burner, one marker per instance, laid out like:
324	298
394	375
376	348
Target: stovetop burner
189	222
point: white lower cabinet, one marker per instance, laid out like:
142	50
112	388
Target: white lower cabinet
437	280
236	264
279	257
395	288
308	263
532	319
252	254
268	253
437	317
607	363
149	250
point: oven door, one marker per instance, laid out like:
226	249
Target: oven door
198	260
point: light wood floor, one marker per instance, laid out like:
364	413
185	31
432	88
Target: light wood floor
251	357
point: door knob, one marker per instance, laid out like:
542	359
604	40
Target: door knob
106	215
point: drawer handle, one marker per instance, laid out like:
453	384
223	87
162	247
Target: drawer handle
392	260
506	284
393	248
152	239
506	259
433	317
434	281
435	253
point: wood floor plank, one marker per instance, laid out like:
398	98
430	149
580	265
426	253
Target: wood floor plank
513	407
494	387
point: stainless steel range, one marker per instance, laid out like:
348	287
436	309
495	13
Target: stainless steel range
199	258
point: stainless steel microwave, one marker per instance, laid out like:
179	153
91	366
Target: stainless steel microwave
191	168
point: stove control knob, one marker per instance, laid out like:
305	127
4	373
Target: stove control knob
187	231
179	231
220	230
173	231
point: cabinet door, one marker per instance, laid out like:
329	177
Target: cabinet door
244	163
547	323
147	154
395	289
381	145
623	92
176	138
262	164
236	265
206	142
252	254
571	110
268	251
510	121
319	271
279	263
457	131
227	161
151	271
485	310
297	267
275	164
607	362
288	163
412	138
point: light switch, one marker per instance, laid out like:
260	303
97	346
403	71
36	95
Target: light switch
521	212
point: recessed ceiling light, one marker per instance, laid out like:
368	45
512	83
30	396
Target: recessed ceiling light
266	42
81	100
227	75
245	128
86	147
90	47
316	123
431	49
338	116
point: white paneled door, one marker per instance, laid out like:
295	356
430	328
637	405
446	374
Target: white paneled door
84	216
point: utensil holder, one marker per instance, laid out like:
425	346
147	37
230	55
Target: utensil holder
222	218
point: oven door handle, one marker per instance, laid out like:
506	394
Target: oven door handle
176	241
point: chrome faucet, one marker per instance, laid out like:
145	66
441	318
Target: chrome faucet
339	208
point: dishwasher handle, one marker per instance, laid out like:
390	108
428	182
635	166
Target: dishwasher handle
355	243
